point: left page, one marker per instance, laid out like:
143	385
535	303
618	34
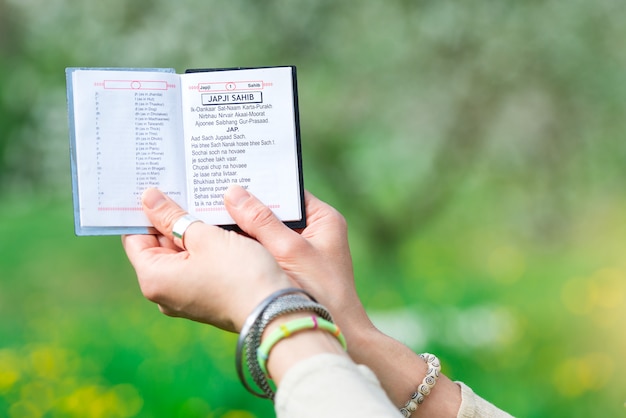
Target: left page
125	136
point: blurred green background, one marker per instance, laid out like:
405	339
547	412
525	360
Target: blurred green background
477	150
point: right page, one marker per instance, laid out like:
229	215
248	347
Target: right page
241	127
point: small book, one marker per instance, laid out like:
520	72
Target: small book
191	135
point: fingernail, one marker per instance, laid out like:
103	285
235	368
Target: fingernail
236	195
152	198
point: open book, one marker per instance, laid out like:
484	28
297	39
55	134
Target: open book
191	135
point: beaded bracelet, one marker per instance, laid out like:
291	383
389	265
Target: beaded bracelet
434	367
291	327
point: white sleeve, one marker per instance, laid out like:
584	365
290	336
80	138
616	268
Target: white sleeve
473	406
330	386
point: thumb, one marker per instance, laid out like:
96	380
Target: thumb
254	218
162	211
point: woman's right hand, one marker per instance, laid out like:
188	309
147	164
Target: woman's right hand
317	258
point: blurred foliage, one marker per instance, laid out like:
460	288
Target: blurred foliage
475	148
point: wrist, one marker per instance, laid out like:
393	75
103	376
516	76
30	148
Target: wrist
299	346
254	298
358	330
283	302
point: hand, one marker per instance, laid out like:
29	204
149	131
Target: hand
318	258
218	280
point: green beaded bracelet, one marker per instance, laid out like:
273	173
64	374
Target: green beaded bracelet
291	327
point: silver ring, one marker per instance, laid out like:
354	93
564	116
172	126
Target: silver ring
180	227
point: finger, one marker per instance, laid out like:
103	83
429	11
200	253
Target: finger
156	266
140	248
326	218
257	220
137	246
137	243
163	212
167	242
148	241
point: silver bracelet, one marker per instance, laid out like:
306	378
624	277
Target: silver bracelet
280	306
434	367
251	331
247	325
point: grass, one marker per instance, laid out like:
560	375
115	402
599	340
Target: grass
537	329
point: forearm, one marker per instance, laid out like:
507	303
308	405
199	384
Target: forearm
315	377
400	371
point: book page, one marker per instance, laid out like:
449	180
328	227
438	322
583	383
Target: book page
241	127
127	137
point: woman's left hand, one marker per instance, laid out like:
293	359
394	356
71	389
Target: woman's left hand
218	279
